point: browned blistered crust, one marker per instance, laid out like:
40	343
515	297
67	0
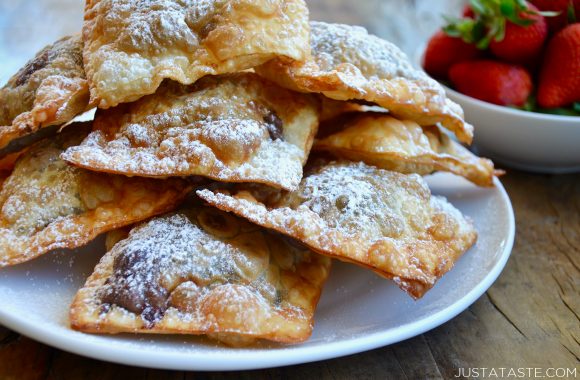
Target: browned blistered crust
403	146
202	271
231	128
349	64
381	220
132	46
46	204
50	90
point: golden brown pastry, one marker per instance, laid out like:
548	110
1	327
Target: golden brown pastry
3	175
233	128
350	64
50	90
403	146
331	109
202	271
382	220
115	236
46	204
8	162
131	46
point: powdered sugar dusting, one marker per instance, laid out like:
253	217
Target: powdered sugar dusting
374	60
379	219
335	44
41	191
131	46
204	271
46	204
30	205
50	89
158	256
350	199
230	128
348	64
61	61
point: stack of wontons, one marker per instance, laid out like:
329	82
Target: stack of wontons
246	146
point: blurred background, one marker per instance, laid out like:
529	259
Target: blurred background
28	25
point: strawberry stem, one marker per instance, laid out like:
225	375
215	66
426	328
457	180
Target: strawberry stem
490	20
571	14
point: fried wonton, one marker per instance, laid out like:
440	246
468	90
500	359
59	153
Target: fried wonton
131	46
403	146
50	90
203	271
350	64
386	221
46	204
232	128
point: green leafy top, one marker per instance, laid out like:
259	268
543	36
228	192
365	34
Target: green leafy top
490	20
532	106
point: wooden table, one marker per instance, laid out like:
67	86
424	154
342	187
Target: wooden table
528	319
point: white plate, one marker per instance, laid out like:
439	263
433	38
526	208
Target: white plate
358	311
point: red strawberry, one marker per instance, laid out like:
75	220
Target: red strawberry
555	23
468	12
560	75
492	81
443	51
522	44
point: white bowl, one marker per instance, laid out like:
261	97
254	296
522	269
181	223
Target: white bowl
523	140
520	139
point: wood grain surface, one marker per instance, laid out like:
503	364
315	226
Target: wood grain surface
528	318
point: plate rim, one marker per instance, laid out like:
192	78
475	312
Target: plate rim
246	360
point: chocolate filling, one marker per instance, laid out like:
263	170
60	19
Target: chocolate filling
135	286
274	125
38	63
216	221
206	30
